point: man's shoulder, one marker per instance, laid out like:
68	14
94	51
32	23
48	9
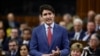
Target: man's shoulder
60	27
38	27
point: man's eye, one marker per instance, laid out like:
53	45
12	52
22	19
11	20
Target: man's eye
45	14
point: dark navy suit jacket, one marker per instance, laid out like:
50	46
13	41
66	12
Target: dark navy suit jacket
82	34
39	44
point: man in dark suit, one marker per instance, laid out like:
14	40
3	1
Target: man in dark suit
26	36
49	39
10	22
90	17
13	48
14	35
78	33
90	30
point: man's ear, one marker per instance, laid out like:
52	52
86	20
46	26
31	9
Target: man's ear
54	15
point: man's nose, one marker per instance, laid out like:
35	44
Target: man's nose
48	15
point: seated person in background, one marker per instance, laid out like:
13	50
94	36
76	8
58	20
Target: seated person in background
76	49
94	46
24	50
62	23
3	40
90	17
13	48
26	36
97	22
67	18
78	32
14	35
90	30
22	27
11	22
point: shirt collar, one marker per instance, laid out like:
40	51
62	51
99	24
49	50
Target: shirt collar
46	26
79	31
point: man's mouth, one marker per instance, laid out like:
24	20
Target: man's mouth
48	19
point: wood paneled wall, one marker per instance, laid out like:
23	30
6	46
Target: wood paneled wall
83	6
31	20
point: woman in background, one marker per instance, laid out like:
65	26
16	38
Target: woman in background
94	46
24	51
76	49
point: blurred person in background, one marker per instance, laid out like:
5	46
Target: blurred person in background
1	24
3	40
26	36
76	49
23	26
10	22
75	16
90	17
67	18
62	23
14	35
94	46
90	30
78	32
97	22
13	48
24	50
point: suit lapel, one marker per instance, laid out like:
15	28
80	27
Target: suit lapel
81	35
43	31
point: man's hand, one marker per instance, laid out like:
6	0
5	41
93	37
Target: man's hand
56	52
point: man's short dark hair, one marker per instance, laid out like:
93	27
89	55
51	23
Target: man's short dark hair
46	7
27	29
10	41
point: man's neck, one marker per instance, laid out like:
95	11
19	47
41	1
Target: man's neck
51	25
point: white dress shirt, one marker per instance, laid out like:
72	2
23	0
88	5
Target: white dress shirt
86	36
77	35
25	42
46	28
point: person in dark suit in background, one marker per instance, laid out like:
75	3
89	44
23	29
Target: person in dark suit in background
3	40
78	32
26	36
90	17
90	31
14	35
10	21
97	22
23	26
13	48
49	39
